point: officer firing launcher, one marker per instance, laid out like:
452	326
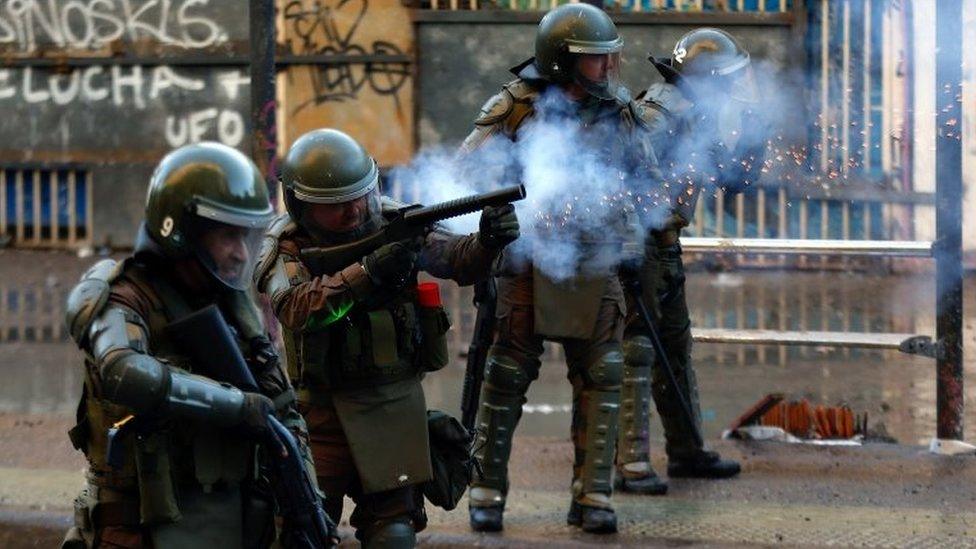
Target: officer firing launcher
406	223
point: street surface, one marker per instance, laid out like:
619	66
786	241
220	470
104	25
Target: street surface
882	495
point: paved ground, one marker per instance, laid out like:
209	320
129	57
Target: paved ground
873	496
877	495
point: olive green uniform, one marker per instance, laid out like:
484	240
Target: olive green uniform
671	118
358	355
584	313
182	483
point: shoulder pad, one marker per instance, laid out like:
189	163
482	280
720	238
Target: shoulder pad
521	90
649	114
495	109
281	226
87	299
501	105
668	97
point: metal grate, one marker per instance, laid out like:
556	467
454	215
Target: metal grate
31	314
46	206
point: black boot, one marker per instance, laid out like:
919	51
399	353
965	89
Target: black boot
647	485
595	520
486	519
703	465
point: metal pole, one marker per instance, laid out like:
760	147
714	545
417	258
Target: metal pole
948	176
264	116
264	130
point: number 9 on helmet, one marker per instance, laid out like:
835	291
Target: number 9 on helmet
210	202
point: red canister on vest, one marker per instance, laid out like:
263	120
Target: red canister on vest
429	294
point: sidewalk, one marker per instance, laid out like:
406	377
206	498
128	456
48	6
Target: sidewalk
871	496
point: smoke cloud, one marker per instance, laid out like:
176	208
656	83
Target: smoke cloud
579	211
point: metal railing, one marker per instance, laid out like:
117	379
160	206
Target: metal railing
629	6
46	206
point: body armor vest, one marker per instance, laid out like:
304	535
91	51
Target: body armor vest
373	344
190	453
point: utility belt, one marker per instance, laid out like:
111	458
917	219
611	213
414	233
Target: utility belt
150	464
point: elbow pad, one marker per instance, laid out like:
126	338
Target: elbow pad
146	385
134	379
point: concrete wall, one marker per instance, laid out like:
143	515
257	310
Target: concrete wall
156	80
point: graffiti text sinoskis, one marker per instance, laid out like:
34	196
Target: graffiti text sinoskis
93	24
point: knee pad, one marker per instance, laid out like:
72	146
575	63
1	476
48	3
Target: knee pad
638	352
505	375
390	534
606	370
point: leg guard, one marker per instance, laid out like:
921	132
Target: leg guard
595	422
502	396
675	331
633	445
680	440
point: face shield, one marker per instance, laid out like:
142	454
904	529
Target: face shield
596	67
730	101
347	221
226	247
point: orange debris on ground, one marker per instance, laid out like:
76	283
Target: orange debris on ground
801	419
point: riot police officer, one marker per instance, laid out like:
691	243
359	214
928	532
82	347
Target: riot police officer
178	471
359	339
702	116
576	60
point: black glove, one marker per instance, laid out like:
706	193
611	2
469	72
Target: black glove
499	226
254	415
391	265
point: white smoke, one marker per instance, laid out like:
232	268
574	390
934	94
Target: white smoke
577	207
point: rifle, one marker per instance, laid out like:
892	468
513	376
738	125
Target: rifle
632	284
406	223
481	340
206	339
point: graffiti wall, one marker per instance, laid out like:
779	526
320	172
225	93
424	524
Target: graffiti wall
106	88
133	66
366	89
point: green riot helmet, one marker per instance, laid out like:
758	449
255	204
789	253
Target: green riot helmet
332	187
712	62
579	43
209	201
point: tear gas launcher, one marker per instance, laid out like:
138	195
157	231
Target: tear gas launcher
409	222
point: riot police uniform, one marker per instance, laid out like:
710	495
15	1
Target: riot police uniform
708	71
179	471
358	340
585	313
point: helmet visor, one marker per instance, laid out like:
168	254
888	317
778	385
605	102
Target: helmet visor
598	73
743	86
739	85
227	251
339	219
